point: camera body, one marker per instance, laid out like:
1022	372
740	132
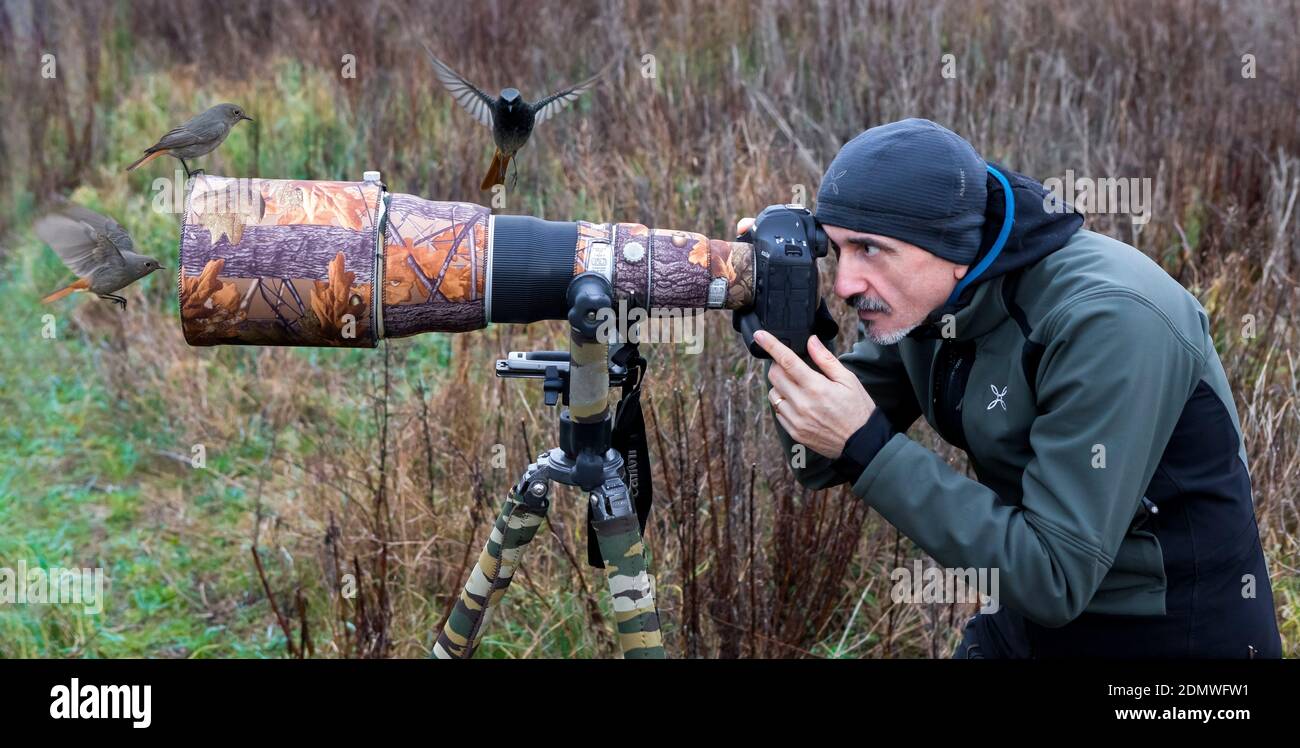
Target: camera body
787	241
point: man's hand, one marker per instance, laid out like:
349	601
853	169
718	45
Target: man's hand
819	410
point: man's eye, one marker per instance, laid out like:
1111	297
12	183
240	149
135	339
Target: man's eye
871	249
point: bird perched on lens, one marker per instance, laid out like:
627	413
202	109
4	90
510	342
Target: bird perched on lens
510	117
198	137
97	249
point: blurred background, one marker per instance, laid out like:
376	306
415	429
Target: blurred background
378	464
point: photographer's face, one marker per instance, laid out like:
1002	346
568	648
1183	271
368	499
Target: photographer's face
893	285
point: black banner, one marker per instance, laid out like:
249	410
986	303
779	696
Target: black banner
242	698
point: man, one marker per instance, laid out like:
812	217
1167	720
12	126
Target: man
1111	492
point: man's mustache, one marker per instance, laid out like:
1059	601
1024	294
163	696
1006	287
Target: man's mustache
864	303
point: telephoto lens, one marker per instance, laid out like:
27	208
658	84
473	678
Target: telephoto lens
318	263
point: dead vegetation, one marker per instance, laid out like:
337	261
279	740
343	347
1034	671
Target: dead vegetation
385	478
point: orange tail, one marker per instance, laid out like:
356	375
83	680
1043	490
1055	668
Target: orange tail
146	158
496	172
78	285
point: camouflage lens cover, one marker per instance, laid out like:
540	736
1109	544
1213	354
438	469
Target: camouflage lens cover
279	262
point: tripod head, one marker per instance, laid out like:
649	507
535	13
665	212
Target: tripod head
596	448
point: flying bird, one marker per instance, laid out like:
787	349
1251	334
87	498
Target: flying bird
97	249
198	137
509	116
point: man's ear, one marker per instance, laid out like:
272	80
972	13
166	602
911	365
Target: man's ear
959	271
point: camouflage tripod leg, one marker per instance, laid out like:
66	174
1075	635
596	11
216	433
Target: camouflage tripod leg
623	551
521	515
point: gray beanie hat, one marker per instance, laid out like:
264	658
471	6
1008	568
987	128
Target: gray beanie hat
911	180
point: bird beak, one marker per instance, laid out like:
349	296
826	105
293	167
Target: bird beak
245	116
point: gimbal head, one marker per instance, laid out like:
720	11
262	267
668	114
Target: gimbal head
593	444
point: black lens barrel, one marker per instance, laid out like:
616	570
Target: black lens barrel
532	264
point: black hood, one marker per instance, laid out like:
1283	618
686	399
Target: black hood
1035	234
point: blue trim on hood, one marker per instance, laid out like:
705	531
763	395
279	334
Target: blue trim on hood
1007	222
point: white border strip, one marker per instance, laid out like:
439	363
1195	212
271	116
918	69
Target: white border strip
487	281
377	277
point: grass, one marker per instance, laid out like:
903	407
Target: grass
377	464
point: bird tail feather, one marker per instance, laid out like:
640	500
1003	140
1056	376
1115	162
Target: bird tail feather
146	158
80	284
496	172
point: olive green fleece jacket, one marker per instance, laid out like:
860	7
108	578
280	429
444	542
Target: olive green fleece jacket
1065	415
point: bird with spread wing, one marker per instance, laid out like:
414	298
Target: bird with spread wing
97	249
510	117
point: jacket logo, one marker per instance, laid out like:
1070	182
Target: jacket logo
997	397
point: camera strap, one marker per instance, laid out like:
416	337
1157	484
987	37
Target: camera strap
629	438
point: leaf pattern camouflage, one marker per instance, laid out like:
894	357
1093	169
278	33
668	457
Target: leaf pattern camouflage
278	262
669	269
292	262
435	266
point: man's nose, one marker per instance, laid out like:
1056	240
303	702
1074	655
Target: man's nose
849	280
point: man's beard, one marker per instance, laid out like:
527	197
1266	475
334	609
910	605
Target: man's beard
865	303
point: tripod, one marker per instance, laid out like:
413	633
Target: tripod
585	459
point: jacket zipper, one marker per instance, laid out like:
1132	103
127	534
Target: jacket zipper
952	370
